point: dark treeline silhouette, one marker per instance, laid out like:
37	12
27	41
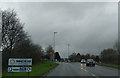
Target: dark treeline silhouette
47	53
48	50
77	57
109	56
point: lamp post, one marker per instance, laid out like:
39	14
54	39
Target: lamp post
68	50
54	44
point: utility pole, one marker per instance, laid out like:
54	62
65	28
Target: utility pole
68	50
54	44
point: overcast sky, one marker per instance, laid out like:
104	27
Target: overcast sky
88	27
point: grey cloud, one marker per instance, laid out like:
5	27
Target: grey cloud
83	25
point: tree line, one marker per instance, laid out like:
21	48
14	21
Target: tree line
109	55
78	57
16	43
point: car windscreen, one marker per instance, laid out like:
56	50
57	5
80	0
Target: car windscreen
90	60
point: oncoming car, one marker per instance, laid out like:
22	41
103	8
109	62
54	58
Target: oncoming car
83	61
90	62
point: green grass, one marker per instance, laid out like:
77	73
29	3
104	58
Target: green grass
37	70
109	65
0	75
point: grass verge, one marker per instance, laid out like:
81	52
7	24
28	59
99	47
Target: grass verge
37	70
109	65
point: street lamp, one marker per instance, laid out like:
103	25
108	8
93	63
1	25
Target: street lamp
54	44
68	50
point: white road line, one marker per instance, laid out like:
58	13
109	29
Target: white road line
93	75
89	72
85	70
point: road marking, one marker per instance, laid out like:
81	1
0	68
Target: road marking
89	73
93	75
85	70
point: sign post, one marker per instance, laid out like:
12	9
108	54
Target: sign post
53	56
50	58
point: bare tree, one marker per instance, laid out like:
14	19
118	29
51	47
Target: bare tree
12	29
93	57
48	50
87	56
26	49
78	57
15	41
109	56
72	57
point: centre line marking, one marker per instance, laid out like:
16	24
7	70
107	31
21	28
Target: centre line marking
89	72
93	75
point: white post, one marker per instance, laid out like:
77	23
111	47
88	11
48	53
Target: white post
68	50
54	44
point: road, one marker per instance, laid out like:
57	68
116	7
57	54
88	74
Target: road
78	69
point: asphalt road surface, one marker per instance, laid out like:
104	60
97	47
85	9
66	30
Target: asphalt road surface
80	70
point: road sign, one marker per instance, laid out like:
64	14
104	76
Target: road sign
20	62
19	69
52	53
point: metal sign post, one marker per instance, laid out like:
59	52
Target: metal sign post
53	56
28	71
12	73
50	58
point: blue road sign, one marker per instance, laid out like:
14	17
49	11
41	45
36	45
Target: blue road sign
23	69
19	69
9	69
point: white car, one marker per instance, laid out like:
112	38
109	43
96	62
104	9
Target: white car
83	61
